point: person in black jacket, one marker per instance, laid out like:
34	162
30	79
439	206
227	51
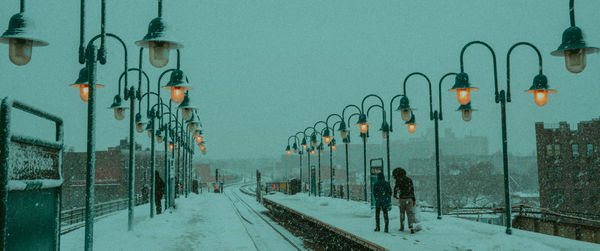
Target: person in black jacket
159	190
404	191
382	193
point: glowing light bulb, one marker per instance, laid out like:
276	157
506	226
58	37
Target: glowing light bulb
540	97
288	152
202	148
19	51
159	53
412	128
463	95
327	140
199	139
333	147
177	94
575	60
84	92
312	152
119	113
304	147
171	146
364	128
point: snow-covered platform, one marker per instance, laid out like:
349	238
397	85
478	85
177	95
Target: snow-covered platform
450	233
201	222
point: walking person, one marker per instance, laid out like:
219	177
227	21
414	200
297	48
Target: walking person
404	191
382	193
159	190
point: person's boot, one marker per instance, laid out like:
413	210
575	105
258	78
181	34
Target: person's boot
377	228
386	229
401	227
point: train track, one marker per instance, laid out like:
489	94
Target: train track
240	205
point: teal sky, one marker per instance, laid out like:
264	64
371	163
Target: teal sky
263	70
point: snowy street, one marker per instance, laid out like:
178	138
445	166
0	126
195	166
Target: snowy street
208	221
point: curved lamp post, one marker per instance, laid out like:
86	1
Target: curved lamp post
329	139
363	125
21	37
319	151
540	84
573	47
309	152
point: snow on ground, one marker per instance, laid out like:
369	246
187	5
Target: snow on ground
200	222
450	233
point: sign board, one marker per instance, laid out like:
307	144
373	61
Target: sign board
376	168
30	184
274	187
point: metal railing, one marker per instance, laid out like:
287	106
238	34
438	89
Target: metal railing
74	218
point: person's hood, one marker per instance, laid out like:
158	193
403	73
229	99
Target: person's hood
380	176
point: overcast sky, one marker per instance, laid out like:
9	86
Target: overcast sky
265	69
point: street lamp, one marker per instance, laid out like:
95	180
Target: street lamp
573	47
158	40
193	123
288	151
503	97
187	108
20	37
178	84
411	124
83	84
466	111
463	88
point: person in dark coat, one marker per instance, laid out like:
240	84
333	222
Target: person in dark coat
382	193
404	191
159	191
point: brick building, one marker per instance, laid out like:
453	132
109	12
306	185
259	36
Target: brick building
568	167
111	175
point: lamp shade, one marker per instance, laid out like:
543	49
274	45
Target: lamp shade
463	88
20	37
83	84
159	42
540	90
187	107
118	107
405	108
178	85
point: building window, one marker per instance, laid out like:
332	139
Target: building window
557	150
575	149
554	173
556	198
590	150
549	150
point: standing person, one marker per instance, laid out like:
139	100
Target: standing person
404	191
382	193
159	190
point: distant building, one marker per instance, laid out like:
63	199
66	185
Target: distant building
568	167
111	175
